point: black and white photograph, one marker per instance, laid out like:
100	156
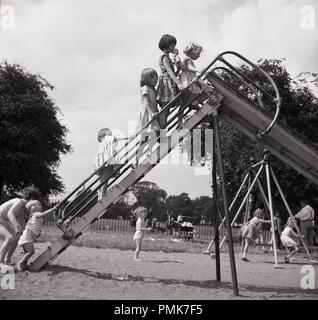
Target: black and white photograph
158	155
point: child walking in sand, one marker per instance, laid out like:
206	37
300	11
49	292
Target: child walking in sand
141	214
169	85
251	231
149	109
32	231
287	239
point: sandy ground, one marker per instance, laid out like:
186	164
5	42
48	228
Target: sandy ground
89	273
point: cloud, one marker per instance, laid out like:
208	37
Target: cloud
94	51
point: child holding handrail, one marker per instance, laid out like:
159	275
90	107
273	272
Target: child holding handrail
32	231
149	109
106	162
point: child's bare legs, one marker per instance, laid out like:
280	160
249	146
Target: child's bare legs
7	259
163	116
28	253
292	252
141	148
247	243
9	244
242	246
104	175
138	247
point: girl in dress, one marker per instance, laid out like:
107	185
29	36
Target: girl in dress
287	239
149	109
252	229
141	214
169	85
189	72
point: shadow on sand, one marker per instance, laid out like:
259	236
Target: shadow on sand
278	292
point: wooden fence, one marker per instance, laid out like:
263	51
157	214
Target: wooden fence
202	231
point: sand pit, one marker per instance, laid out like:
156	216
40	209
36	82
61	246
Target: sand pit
89	273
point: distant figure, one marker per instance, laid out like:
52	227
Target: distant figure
169	85
287	239
32	231
180	218
13	215
141	214
149	109
251	231
133	220
306	217
106	162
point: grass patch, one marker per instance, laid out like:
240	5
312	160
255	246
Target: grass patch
152	242
124	240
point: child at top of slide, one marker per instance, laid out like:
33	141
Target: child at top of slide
169	84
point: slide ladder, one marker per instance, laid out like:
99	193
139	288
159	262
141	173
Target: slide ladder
85	206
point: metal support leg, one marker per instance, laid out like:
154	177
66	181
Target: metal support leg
231	206
244	200
216	213
225	206
271	213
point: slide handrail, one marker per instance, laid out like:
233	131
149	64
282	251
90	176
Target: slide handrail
277	98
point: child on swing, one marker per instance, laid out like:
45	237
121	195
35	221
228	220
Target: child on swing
251	230
32	231
141	214
287	239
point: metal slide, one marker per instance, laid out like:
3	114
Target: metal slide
281	141
80	208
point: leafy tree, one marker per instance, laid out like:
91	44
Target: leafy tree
152	197
31	137
181	204
203	208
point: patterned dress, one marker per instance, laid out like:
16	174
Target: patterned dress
167	88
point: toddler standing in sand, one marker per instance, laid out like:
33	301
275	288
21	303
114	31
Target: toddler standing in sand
141	214
32	231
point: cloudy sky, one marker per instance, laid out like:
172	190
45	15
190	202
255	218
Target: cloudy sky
93	53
